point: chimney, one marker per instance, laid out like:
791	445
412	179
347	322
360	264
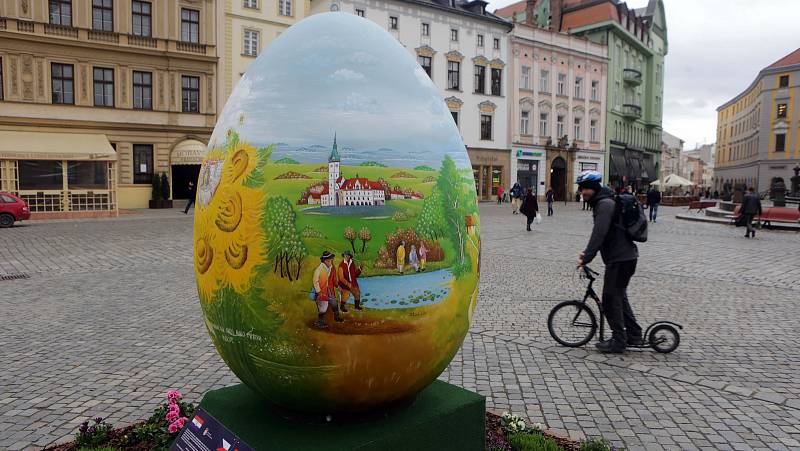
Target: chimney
530	5
555	14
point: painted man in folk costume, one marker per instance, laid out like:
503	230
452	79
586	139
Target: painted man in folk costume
348	280
325	282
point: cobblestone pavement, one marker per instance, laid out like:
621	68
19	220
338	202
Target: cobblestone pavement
109	320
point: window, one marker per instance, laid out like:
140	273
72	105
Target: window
783	81
496	44
658	75
524	120
190	25
561	88
453	74
658	106
142	18
142	90
360	12
251	42
480	40
63	83
559	125
61	12
578	87
426	29
593	130
497	76
142	163
781	110
103	87
190	94
103	15
425	62
251	3
285	7
1	78
41	174
576	129
525	77
480	79
486	127
780	142
454	35
392	23
616	94
455	117
595	89
544	81
544	126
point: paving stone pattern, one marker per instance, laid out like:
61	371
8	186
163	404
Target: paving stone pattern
109	320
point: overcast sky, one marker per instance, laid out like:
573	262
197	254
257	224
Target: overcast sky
716	49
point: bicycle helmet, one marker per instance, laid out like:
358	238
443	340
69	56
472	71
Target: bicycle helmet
590	179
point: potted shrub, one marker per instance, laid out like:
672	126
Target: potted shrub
159	196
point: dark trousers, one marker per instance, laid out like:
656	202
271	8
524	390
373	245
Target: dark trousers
653	212
616	307
530	221
189	204
549	209
748	221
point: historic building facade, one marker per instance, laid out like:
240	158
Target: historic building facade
557	106
464	49
671	155
758	131
245	28
131	84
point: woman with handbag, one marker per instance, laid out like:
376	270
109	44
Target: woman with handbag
530	208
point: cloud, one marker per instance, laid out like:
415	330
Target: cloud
345	74
359	102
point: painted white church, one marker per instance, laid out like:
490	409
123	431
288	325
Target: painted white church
345	192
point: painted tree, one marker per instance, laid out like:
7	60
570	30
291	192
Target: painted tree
430	222
454	202
284	246
350	235
365	236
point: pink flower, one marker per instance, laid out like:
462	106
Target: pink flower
172	428
181	421
174	407
172	395
172	416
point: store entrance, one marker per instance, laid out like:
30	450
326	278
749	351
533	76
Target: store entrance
558	178
181	175
528	174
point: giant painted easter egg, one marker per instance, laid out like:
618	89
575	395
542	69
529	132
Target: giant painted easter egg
336	236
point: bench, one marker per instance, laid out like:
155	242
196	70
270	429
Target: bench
774	214
700	205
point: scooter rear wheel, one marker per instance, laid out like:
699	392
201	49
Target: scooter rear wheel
664	338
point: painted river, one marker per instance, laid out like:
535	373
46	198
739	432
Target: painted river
408	291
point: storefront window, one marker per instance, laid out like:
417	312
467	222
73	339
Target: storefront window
40	175
87	174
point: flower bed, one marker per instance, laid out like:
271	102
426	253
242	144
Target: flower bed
510	433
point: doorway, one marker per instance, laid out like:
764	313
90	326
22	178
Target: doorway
528	174
558	178
181	175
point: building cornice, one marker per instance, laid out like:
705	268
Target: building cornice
493	19
763	73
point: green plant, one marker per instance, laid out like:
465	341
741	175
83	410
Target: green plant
155	194
532	441
162	427
101	448
598	444
512	423
90	436
164	186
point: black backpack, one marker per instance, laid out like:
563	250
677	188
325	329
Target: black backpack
631	217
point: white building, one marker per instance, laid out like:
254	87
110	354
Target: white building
464	49
345	192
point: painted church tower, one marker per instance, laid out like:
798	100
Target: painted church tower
333	173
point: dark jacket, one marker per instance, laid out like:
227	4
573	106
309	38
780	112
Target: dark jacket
550	195
516	191
751	204
530	206
653	197
607	237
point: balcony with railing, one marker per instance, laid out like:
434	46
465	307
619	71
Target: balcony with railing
632	76
61	30
103	36
631	111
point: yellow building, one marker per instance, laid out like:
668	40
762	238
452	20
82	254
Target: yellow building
758	131
112	93
247	27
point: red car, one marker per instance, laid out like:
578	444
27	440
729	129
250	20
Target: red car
12	208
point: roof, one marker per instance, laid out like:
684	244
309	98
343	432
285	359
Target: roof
511	9
349	184
577	18
788	60
15	145
334	152
475	9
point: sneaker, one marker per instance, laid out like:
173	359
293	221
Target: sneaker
610	346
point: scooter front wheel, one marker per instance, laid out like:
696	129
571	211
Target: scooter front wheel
572	323
664	338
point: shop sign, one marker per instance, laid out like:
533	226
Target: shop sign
525	153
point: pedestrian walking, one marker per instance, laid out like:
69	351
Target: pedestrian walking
653	199
192	195
751	206
530	208
499	195
348	281
516	196
620	255
550	196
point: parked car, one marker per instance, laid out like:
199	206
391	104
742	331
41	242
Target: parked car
12	209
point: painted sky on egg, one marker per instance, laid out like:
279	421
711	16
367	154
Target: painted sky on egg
342	74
